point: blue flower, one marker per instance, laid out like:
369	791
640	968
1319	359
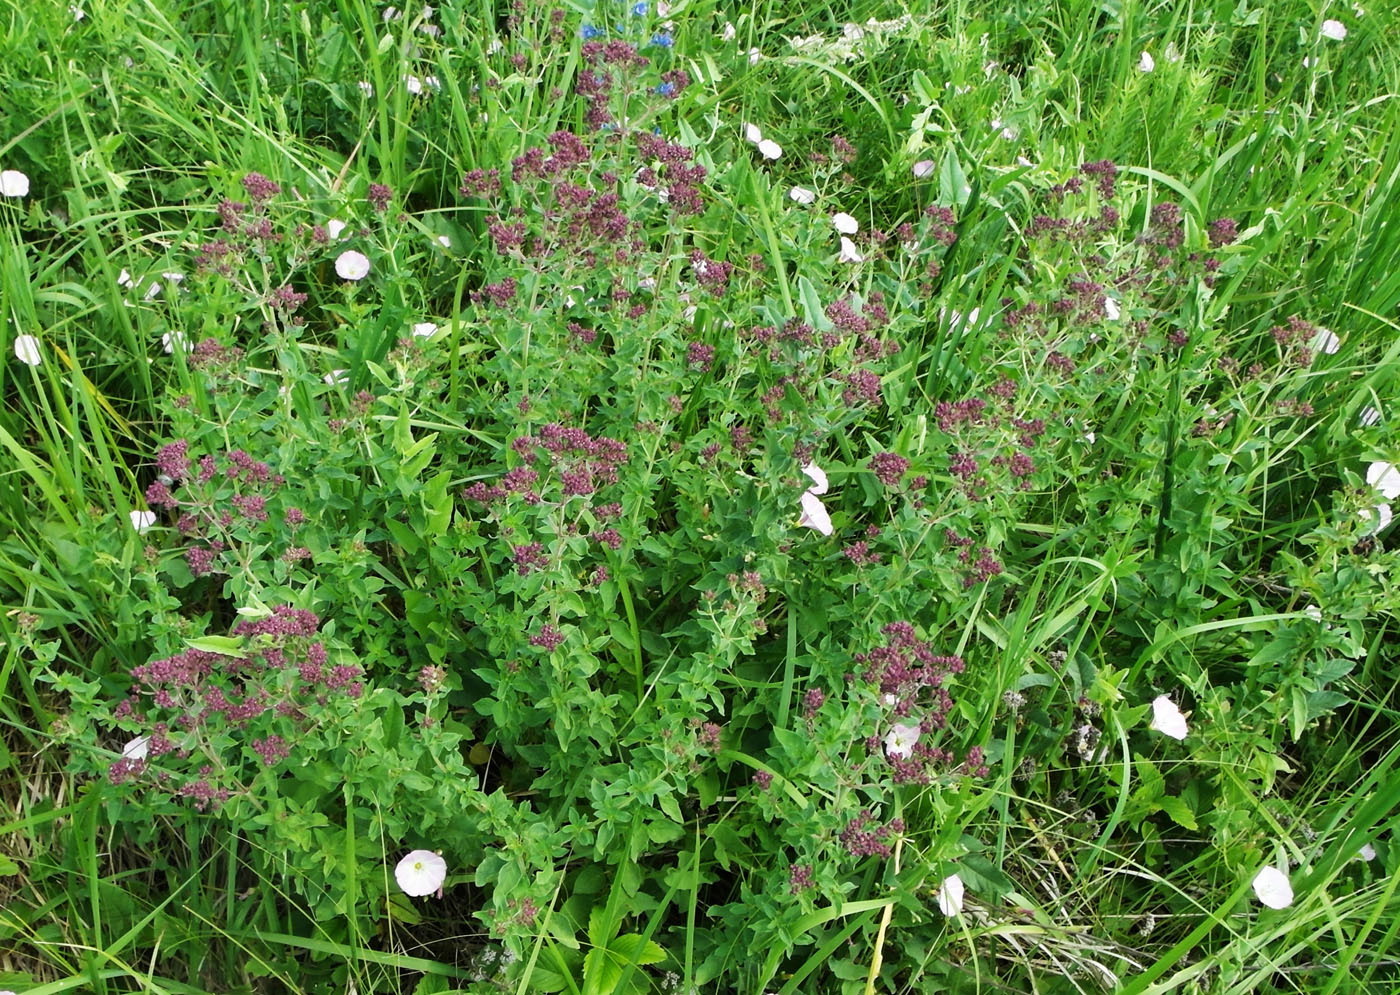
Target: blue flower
639	9
663	40
589	31
666	89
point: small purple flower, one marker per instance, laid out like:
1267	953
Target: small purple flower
888	468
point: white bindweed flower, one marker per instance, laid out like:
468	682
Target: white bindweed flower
1334	30
142	521
1272	888
124	279
729	32
1366	853
138	748
899	743
366	87
1326	341
802	195
27	350
923	168
352	265
1379	518
444	241
1384	477
433	82
753	134
1369	417
13	183
1313	612
845	224
1111	309
77	12
334	227
950	896
153	291
424	329
849	252
770	149
413	84
956	319
814	514
337	376
1146	63
421	873
754	56
1172	53
171	341
1167	718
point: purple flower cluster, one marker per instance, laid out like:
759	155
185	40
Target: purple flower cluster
907	669
195	697
862	837
216	497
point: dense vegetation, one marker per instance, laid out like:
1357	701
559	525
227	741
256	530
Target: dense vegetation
636	497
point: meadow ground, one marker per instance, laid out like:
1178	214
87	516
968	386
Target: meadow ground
608	498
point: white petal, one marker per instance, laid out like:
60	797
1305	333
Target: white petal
1369	417
420	873
1326	341
729	31
753	134
1335	30
124	279
27	350
1167	718
1145	63
424	329
1380	518
141	521
1111	309
13	183
334	227
1367	852
352	265
818	475
924	168
337	376
814	514
137	749
900	741
1384	477
849	252
754	56
770	149
950	896
802	195
1272	888
845	224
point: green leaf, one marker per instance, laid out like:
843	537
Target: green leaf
633	948
223	645
1178	811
